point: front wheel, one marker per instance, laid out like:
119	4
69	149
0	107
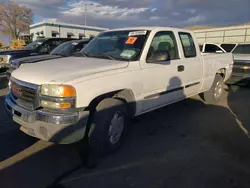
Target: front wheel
215	93
109	124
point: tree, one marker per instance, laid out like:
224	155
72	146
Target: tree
14	19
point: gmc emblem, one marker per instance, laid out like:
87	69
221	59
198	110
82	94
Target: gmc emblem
17	91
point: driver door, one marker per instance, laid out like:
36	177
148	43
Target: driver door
162	81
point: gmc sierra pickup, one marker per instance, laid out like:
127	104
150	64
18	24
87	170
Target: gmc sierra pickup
120	74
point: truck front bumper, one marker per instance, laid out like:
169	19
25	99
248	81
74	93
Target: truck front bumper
62	128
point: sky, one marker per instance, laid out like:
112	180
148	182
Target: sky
123	13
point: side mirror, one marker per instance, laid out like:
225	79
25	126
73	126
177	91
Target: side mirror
159	56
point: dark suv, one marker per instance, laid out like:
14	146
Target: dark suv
38	47
64	50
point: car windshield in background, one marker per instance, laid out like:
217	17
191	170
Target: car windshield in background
242	49
65	49
117	45
228	47
35	44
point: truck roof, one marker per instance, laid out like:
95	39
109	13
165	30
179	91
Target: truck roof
150	28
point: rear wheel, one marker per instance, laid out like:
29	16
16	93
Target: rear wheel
215	93
109	125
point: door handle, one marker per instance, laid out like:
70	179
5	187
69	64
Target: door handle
181	68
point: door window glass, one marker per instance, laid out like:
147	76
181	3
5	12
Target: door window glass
164	41
188	45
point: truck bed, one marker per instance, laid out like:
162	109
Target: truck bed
212	62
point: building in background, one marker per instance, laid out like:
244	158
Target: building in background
233	34
52	28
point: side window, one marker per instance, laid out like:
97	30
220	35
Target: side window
228	47
79	47
238	50
188	45
164	41
44	49
50	45
211	48
53	44
242	49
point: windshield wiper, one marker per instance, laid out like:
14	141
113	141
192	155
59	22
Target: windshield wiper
102	56
59	54
80	54
107	56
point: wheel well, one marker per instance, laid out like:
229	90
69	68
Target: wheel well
126	95
222	72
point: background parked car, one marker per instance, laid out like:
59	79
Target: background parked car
236	48
64	50
211	48
241	67
38	47
241	70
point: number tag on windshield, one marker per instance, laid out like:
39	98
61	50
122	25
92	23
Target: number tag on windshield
131	40
136	33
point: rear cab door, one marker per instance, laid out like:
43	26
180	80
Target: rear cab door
192	62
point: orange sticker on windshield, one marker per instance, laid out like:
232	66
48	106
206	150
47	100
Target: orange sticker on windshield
131	40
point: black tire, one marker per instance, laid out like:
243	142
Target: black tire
99	138
209	96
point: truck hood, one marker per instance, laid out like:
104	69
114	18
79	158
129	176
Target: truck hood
65	69
34	59
242	57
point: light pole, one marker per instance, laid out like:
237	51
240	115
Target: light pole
85	17
85	10
59	30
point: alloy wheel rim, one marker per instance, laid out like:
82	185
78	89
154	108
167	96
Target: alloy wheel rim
116	127
218	90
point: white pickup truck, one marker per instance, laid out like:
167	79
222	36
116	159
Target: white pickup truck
120	74
211	48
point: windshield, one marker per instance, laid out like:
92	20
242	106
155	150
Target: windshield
228	47
65	49
242	49
117	45
35	44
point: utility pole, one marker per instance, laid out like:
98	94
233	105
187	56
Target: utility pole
85	16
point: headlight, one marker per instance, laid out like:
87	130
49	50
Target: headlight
58	90
58	96
5	59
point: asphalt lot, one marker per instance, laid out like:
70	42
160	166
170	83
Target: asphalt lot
187	144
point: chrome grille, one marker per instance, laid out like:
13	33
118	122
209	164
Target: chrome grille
24	94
